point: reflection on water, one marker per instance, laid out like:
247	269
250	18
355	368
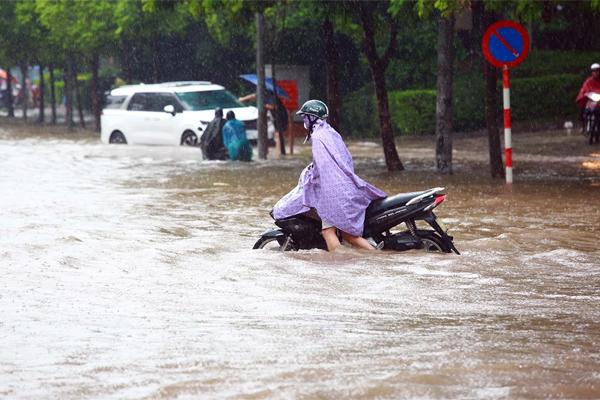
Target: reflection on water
127	273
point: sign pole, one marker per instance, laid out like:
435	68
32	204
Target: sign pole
505	44
507	128
290	132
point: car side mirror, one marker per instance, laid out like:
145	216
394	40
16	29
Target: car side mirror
169	109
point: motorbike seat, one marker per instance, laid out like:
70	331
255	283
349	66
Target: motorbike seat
399	200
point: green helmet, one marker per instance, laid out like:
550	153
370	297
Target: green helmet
314	107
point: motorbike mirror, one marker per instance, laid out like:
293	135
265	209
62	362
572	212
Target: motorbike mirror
169	109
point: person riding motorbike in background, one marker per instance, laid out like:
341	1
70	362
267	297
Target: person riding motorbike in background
591	85
328	185
587	101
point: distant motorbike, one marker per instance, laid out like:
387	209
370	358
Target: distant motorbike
304	232
591	117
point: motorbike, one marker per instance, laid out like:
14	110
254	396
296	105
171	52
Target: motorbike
591	116
382	219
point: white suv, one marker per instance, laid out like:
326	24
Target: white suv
171	113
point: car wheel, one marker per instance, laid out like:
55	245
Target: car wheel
117	138
189	138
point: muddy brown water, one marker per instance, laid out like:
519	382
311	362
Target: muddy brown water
127	273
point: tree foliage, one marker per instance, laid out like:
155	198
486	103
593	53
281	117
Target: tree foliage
149	19
214	39
81	28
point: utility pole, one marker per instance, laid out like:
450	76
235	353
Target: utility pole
260	89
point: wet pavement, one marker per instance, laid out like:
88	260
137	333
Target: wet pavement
127	273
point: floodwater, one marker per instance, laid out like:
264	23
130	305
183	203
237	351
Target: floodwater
127	273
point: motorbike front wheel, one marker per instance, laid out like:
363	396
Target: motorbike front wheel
274	243
428	241
433	242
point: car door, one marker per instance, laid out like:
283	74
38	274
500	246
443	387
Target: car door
165	127
135	124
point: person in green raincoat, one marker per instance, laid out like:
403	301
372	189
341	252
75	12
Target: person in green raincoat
235	140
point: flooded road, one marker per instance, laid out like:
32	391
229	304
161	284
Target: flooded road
127	273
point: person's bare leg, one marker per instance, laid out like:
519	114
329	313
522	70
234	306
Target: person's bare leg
277	143
330	236
357	241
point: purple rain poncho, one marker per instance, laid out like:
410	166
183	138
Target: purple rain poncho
330	186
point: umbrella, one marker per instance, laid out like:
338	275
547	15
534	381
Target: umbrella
268	83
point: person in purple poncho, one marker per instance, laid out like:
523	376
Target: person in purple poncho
328	185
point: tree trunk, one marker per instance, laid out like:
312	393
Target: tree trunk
155	61
42	114
378	66
24	90
491	121
280	139
9	90
78	96
482	20
260	89
443	111
331	60
68	95
95	95
392	160
126	62
52	93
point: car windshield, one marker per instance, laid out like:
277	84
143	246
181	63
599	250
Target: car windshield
208	100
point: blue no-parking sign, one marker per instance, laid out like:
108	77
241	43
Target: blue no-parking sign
505	43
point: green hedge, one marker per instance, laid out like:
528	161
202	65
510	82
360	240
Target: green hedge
553	62
544	97
468	105
410	110
359	114
413	111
